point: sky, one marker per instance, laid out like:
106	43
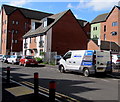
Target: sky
82	9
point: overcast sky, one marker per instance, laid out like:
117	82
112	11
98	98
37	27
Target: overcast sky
82	9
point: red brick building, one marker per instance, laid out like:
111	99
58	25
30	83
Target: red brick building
15	22
58	33
109	31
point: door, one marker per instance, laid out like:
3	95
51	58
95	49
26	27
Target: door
67	59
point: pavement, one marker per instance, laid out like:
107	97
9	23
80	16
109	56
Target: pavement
12	92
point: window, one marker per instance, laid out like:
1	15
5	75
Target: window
114	33
104	28
104	36
114	24
94	28
5	31
4	22
13	22
12	31
30	40
41	51
45	23
67	56
16	41
35	39
17	22
41	41
33	25
16	31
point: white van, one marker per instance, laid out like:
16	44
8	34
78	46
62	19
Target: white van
86	61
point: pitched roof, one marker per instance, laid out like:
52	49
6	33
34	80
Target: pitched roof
40	30
100	18
105	45
82	22
32	14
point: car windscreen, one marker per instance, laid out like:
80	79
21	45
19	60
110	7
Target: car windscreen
29	57
7	56
118	56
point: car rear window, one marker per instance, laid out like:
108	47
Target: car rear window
29	57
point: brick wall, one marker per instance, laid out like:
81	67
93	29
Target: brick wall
92	46
21	28
4	31
113	17
67	34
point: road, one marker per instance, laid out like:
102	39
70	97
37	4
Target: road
74	85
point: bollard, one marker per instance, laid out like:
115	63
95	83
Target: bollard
36	84
52	87
8	74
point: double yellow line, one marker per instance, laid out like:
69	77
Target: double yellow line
45	90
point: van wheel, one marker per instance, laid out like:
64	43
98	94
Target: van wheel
86	72
62	70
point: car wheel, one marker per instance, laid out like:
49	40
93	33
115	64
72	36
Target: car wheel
4	61
86	72
62	70
25	64
12	62
20	63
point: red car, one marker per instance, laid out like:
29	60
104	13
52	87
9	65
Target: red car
28	60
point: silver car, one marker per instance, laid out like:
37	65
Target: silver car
14	59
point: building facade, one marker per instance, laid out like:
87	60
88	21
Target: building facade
107	29
15	22
58	33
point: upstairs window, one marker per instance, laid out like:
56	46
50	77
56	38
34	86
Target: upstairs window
30	40
94	28
41	42
45	23
16	31
17	22
114	24
13	22
16	41
33	25
104	28
114	33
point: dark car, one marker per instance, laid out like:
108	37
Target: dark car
57	58
28	60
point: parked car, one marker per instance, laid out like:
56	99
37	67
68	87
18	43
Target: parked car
14	59
116	60
1	57
28	60
5	57
57	58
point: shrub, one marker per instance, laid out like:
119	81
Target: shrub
39	60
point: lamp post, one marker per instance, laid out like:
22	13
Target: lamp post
12	41
110	42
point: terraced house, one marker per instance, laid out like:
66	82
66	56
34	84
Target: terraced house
58	33
105	32
15	22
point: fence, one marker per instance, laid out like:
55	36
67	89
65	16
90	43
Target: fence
49	57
